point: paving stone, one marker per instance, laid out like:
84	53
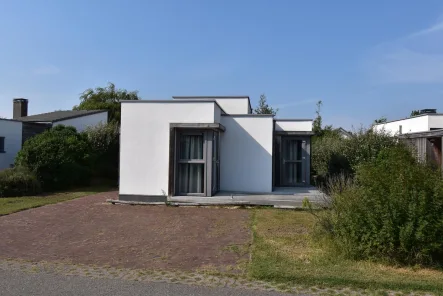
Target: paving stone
178	277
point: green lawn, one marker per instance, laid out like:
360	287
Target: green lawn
282	252
10	205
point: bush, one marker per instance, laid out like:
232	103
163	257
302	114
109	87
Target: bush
18	181
391	211
104	141
59	157
325	151
333	155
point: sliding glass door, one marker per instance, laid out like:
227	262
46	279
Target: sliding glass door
292	157
191	163
197	162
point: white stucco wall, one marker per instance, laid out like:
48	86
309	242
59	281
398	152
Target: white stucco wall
435	121
409	125
12	131
246	154
236	105
217	113
293	125
144	142
83	122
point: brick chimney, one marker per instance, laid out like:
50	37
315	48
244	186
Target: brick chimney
20	108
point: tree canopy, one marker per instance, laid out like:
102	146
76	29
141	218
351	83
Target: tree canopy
382	119
414	113
263	107
106	98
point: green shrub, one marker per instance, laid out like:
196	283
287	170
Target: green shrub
18	181
324	152
332	155
104	141
365	145
59	157
393	210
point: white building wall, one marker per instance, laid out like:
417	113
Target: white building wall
435	121
408	125
234	106
217	113
83	122
293	125
246	154
237	105
12	131
144	142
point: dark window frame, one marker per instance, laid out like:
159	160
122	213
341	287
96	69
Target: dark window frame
207	161
2	144
278	160
179	161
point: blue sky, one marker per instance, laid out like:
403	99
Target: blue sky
363	59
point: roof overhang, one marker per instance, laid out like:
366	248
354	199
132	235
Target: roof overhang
428	134
211	126
294	133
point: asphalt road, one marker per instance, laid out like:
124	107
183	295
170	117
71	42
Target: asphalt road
20	283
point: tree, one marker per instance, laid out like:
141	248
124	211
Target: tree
60	158
317	124
263	107
414	113
106	98
382	119
104	141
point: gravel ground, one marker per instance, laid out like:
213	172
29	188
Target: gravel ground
90	231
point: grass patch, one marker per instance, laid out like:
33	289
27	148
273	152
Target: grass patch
283	252
9	205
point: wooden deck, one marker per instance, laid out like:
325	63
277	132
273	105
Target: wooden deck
281	197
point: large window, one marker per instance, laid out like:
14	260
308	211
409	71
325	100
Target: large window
197	166
191	163
2	144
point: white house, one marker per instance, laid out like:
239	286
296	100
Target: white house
201	145
10	141
14	132
427	120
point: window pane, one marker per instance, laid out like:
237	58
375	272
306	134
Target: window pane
292	150
191	178
290	173
293	173
298	179
191	146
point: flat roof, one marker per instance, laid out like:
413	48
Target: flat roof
58	115
249	115
292	119
426	134
420	115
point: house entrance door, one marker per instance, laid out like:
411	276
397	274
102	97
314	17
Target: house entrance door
292	161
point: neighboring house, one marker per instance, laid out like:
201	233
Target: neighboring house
343	133
10	141
201	145
426	145
422	132
427	120
14	132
